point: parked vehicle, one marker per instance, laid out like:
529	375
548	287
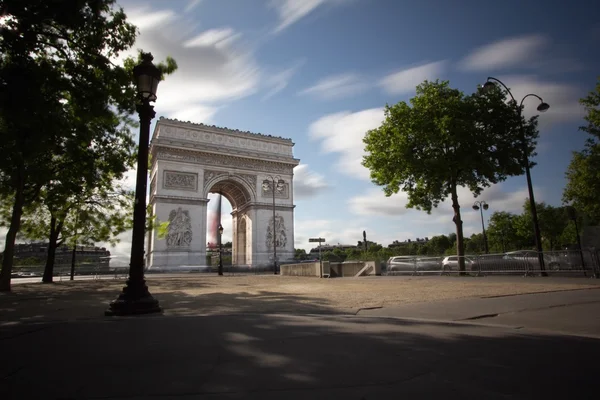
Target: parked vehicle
551	261
451	263
401	263
413	264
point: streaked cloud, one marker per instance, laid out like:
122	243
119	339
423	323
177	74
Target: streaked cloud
336	86
291	11
505	53
343	133
277	81
406	80
308	183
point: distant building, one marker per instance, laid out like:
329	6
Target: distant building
408	242
38	251
314	252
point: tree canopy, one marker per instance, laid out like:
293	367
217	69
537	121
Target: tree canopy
443	139
65	107
583	174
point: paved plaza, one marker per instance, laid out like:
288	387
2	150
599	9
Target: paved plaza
273	337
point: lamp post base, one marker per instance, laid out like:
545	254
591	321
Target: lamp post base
135	300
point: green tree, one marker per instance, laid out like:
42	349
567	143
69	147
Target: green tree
552	221
475	244
353	254
340	255
300	254
439	244
68	104
583	174
82	219
442	140
502	233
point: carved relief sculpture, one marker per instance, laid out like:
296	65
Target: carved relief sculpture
250	179
180	180
180	229
267	191
280	238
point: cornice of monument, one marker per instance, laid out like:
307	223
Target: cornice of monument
225	130
211	157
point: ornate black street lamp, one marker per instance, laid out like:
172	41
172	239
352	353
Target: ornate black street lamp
274	184
542	107
482	205
135	298
220	270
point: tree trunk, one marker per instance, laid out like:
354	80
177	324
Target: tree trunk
54	232
11	235
460	243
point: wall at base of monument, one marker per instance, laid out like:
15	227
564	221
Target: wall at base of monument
263	236
177	258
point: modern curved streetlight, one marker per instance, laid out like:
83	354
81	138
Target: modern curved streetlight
482	205
220	269
542	107
274	183
135	298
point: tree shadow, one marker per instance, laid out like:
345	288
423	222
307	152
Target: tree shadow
276	354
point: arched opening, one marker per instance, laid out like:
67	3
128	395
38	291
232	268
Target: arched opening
237	233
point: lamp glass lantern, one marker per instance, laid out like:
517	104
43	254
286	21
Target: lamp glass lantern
147	76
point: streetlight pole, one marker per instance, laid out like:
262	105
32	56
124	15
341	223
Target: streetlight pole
135	298
271	184
220	270
542	107
482	205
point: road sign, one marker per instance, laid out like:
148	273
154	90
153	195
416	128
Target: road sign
318	240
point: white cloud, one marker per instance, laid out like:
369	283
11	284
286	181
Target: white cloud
506	53
406	80
336	86
197	114
374	202
276	82
213	37
144	19
344	232
191	5
212	67
291	11
307	183
343	133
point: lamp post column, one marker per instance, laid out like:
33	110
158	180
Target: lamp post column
542	107
482	205
135	298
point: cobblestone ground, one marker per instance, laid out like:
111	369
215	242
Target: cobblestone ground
193	294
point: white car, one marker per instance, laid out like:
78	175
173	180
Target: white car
401	263
451	262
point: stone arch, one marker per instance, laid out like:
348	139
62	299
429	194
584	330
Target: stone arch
243	244
233	188
192	160
239	194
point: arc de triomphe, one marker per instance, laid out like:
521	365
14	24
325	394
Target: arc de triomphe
189	161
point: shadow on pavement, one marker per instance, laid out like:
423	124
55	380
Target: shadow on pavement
266	355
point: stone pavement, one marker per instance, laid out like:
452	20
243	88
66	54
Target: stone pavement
316	352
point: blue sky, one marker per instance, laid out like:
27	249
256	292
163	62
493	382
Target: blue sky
320	72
